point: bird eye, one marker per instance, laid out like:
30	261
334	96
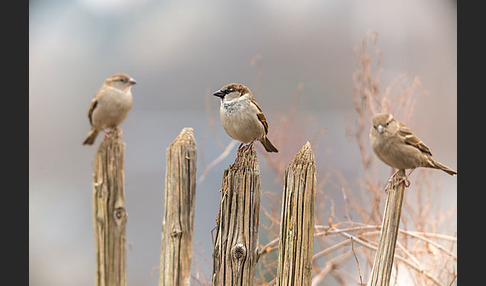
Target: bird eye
388	123
123	80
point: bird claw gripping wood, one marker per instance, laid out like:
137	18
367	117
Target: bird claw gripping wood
115	131
394	181
405	180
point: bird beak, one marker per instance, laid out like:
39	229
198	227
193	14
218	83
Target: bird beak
132	81
219	93
379	128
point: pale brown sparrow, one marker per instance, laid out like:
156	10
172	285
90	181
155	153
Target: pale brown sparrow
241	116
397	146
110	105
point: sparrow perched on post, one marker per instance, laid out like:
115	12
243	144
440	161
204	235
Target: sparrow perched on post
241	116
397	146
110	105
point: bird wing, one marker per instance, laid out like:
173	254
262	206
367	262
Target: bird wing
260	116
92	107
413	140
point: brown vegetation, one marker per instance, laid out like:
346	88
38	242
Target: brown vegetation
348	224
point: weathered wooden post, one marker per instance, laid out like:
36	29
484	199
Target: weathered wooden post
109	212
297	220
383	262
178	223
236	244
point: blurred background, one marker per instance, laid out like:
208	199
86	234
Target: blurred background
295	56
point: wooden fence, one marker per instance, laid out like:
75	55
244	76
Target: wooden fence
110	217
236	251
180	201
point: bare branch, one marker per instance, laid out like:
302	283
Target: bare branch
218	160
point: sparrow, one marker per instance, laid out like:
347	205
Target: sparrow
397	146
241	117
110	105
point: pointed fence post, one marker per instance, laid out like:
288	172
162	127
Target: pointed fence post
109	212
297	220
383	262
178	223
235	252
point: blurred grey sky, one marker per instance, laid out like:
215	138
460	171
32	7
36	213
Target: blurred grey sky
179	52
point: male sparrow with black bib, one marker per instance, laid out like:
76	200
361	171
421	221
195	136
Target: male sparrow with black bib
242	117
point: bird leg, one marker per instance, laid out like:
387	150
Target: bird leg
251	144
118	131
391	180
239	147
401	179
411	172
112	131
238	153
406	180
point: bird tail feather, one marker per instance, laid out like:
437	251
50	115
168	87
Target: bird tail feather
443	167
268	145
91	137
